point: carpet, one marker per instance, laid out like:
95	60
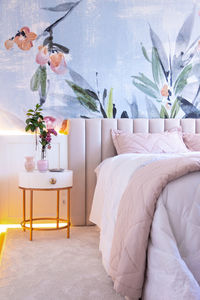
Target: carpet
52	267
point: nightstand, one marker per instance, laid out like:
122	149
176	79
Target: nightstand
48	181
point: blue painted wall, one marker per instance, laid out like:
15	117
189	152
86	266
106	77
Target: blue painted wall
104	37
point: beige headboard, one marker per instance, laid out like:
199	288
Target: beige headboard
89	143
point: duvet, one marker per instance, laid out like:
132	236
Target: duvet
124	209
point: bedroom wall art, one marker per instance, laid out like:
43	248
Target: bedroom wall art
97	58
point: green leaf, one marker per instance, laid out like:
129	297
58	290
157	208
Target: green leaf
35	80
29	114
147	90
37	106
92	94
144	79
110	104
28	121
30	110
43	80
163	113
83	96
175	109
181	81
145	53
32	127
27	128
157	70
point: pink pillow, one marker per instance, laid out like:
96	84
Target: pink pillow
192	141
165	142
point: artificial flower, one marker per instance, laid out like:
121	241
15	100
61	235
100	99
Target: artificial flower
43	55
50	122
64	127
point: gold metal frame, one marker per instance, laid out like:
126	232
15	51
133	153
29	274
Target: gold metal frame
57	219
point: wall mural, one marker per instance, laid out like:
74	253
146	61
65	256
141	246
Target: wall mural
97	58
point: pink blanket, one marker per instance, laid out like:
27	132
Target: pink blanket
135	215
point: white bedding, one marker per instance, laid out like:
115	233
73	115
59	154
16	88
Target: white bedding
113	177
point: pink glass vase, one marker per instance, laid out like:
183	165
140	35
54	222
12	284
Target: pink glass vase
42	165
29	163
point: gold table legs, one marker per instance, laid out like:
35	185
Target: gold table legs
68	213
58	200
24	208
57	219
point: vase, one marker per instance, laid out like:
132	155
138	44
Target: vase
29	163
43	163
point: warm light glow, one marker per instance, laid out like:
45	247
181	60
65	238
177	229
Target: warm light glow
3	227
13	132
17	132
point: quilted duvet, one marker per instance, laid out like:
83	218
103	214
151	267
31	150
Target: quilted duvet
174	247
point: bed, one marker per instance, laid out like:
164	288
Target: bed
172	252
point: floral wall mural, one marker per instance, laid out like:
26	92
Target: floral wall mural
97	58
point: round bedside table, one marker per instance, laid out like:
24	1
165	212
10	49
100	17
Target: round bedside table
48	181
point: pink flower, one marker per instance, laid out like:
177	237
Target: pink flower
50	122
58	63
52	131
43	55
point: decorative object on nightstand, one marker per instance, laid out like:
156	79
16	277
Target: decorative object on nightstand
29	163
44	126
49	181
45	141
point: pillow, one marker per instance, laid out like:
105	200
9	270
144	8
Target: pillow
165	142
192	141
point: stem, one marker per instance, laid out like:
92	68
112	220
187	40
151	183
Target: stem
36	140
48	29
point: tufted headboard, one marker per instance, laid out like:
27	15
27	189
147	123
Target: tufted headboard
89	143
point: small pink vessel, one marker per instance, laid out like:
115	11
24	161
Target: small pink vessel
42	165
29	163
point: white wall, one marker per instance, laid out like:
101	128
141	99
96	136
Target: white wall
13	149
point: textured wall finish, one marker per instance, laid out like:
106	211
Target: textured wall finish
129	58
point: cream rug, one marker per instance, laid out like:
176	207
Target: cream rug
52	267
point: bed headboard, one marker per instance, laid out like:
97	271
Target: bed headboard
89	142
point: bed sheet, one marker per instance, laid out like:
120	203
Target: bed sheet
113	176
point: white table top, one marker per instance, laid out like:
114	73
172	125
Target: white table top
37	180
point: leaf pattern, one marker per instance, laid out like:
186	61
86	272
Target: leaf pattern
183	37
189	109
146	89
163	113
156	68
35	80
175	109
157	44
152	111
110	104
83	96
134	108
79	80
144	51
61	7
181	81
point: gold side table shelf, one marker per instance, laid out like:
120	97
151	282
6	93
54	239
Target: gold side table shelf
43	182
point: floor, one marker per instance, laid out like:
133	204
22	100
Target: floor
52	267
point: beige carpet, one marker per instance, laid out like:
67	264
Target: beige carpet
53	267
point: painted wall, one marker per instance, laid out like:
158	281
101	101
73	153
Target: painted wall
110	41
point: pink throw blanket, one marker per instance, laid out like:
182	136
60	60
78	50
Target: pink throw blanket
135	215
